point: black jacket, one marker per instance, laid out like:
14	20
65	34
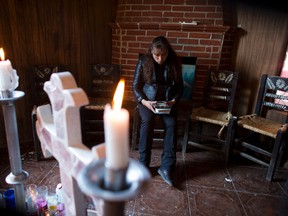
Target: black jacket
145	86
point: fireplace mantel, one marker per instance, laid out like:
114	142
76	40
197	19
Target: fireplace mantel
170	26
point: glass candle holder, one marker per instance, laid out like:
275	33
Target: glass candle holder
31	199
52	202
9	197
42	199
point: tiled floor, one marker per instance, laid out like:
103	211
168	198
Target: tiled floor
203	186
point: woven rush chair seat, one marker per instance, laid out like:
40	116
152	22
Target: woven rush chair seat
97	103
261	125
211	116
95	107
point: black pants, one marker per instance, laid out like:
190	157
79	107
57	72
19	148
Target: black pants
168	157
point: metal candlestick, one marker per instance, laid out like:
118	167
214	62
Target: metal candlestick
113	186
17	175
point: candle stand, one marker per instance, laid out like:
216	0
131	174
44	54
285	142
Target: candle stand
17	175
113	187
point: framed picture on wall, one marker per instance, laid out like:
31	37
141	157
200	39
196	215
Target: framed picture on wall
188	76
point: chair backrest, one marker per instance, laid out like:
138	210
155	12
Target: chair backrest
41	74
272	94
103	80
220	89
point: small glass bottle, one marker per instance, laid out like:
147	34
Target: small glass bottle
59	193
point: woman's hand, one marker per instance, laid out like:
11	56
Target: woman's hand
148	104
171	103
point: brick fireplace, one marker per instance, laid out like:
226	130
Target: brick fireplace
193	27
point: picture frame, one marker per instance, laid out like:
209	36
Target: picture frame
188	75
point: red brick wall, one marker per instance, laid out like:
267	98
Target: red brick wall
139	21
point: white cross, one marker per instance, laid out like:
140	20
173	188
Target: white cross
59	130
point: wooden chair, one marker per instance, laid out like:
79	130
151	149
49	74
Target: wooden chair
103	80
188	75
215	112
40	74
260	139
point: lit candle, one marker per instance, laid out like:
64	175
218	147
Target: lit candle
116	127
8	76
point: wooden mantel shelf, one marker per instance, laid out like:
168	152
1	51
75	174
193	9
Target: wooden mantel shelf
170	26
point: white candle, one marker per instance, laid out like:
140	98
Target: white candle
116	128
8	76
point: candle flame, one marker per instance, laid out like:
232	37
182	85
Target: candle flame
118	96
2	55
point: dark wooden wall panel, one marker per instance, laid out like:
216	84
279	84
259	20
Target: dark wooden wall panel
73	33
261	48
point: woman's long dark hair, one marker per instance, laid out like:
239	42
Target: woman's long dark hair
161	43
